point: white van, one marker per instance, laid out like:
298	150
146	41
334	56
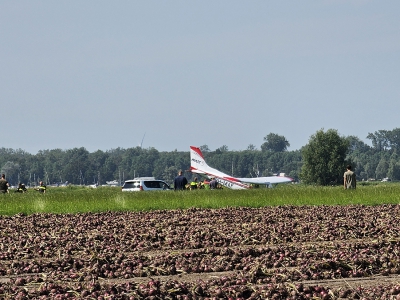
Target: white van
144	184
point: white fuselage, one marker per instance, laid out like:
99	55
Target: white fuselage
199	165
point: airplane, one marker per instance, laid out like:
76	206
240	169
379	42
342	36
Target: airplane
198	165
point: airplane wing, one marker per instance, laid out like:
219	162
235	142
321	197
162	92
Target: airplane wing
266	180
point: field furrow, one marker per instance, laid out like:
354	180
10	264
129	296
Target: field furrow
321	252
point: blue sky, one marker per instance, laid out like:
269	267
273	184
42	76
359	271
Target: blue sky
101	74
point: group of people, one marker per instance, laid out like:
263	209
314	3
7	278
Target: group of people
4	186
205	184
181	183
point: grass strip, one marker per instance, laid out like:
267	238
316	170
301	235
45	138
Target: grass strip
76	199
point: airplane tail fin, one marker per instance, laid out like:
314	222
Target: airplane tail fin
197	161
198	164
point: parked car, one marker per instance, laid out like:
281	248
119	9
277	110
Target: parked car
386	179
145	184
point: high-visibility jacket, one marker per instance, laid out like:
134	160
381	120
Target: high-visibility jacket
206	185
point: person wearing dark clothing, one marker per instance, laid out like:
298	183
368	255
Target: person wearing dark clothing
4	185
180	182
21	188
213	184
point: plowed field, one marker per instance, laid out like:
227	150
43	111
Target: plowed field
287	252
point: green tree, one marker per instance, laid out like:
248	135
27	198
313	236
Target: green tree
394	139
96	164
11	170
222	149
251	147
356	145
275	143
380	140
169	174
75	163
394	167
382	168
324	158
204	148
370	164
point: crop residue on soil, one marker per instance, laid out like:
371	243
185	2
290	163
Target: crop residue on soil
287	252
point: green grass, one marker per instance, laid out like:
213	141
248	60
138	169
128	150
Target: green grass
63	200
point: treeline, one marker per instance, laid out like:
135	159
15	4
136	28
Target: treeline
78	166
379	160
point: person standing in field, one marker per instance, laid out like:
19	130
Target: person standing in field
349	178
180	182
4	185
